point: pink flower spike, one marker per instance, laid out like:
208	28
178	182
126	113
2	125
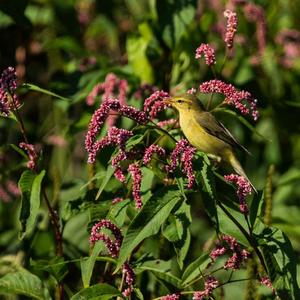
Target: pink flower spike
210	284
231	27
232	96
150	151
255	13
136	174
117	200
208	52
115	136
8	80
192	91
187	159
175	296
243	190
29	148
154	104
129	279
170	122
112	247
4	196
267	282
178	150
8	85
112	87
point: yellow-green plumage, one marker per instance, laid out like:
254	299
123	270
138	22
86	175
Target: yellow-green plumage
205	133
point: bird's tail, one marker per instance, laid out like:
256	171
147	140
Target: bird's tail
230	157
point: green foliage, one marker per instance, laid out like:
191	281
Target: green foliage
61	51
23	283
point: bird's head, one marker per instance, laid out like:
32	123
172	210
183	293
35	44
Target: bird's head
185	103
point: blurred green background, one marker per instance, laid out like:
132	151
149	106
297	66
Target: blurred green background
69	46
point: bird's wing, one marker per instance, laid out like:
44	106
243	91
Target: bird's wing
217	129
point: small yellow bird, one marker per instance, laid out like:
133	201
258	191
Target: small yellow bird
206	133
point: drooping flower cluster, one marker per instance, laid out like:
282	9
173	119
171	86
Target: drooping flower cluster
113	247
255	13
129	279
210	284
32	155
8	85
184	150
231	27
267	282
243	190
115	136
208	52
150	151
101	114
191	91
289	39
229	244
175	296
7	190
232	96
122	156
154	103
4	196
136	175
117	200
171	122
111	87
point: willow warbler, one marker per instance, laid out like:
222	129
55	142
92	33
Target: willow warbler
206	133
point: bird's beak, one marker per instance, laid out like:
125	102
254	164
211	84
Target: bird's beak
168	101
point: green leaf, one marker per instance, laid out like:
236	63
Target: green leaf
30	209
195	269
138	293
256	207
35	88
174	17
20	151
87	265
178	231
148	221
25	184
109	173
281	262
23	283
136	50
228	227
206	178
117	212
160	269
101	291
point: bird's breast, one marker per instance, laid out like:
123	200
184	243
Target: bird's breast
198	137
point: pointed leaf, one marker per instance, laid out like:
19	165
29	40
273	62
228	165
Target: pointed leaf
25	184
148	221
109	173
101	291
23	283
35	88
35	200
87	265
194	269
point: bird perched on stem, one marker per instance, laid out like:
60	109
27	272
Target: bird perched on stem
206	133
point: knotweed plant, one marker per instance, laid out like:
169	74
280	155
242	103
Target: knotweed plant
141	213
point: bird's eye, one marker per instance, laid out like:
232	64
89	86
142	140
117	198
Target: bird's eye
179	101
